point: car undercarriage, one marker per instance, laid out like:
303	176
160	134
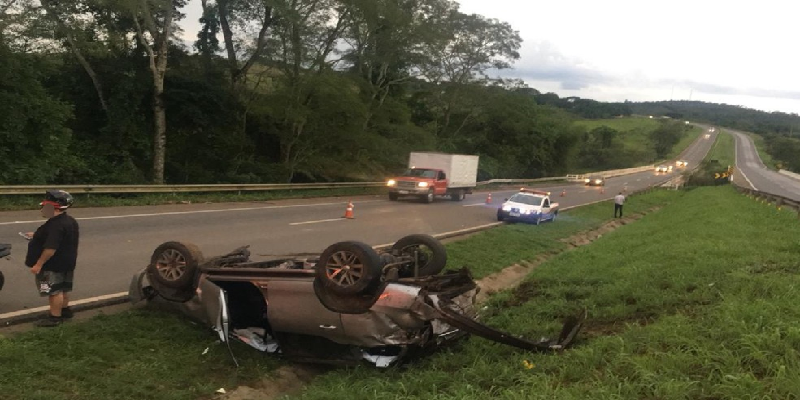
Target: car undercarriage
346	305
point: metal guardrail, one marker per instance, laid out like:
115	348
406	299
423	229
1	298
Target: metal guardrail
100	189
778	201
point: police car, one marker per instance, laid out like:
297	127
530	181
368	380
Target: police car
528	206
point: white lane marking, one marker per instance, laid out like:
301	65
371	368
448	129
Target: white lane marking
73	303
318	221
477	204
192	212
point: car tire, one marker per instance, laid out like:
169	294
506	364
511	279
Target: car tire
175	265
537	221
428	198
434	257
349	268
500	217
457	195
392	196
555	214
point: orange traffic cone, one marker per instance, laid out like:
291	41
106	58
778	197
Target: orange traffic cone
348	212
563	193
489	199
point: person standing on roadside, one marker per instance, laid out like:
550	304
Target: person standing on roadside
618	201
52	255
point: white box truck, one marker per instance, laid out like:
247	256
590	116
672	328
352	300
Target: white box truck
436	174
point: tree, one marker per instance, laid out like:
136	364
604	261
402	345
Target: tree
473	45
154	25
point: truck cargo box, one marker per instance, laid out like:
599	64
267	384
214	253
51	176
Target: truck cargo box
461	169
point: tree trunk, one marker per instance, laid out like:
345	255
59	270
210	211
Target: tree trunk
158	67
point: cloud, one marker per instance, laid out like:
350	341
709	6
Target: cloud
712	88
543	62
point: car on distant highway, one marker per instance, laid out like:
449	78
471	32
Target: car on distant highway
594	181
346	305
663	169
681	163
528	206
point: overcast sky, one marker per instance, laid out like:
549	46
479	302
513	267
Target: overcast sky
740	53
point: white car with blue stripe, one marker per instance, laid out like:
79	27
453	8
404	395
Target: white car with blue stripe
529	206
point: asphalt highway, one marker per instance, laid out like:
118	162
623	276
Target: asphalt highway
756	175
118	242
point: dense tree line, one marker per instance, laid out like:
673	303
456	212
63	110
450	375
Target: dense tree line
103	91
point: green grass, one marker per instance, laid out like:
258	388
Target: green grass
23	202
621	124
105	357
690	302
524	242
723	150
134	355
758	140
634	134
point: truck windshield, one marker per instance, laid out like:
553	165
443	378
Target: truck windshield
528	199
420	173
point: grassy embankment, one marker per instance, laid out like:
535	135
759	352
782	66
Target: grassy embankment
697	300
723	150
147	354
634	134
687	302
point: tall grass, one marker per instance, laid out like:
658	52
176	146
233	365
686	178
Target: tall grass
695	301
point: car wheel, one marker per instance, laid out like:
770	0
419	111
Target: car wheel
174	265
555	214
500	217
428	197
349	268
537	221
393	196
429	252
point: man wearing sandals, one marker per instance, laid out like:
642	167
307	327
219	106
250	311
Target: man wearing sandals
52	255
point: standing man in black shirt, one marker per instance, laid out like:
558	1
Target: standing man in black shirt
52	255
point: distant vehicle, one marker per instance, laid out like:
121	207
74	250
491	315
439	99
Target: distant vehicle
663	169
594	181
707	136
681	163
435	174
528	206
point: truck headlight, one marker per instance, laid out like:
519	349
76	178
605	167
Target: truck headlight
422	184
587	180
391	182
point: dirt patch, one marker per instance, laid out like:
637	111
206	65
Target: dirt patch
286	380
584	238
511	276
596	328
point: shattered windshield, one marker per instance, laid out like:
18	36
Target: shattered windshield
528	199
420	173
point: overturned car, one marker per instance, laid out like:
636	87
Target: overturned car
346	305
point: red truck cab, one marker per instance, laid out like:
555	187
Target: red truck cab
425	183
